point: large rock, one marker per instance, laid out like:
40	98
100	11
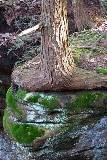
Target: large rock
74	124
86	144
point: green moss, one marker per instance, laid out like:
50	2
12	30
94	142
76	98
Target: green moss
85	100
22	133
20	94
79	52
11	103
46	101
6	122
50	102
5	118
33	98
102	70
86	37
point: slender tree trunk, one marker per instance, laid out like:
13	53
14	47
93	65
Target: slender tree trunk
57	60
71	21
82	17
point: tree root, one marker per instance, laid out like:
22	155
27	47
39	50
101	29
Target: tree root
30	77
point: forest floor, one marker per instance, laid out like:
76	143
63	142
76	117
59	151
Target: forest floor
90	49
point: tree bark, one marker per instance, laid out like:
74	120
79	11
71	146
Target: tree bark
56	57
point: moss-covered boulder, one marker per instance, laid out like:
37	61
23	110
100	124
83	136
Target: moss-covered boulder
29	116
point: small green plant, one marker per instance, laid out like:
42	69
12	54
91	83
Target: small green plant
102	70
22	133
11	103
80	52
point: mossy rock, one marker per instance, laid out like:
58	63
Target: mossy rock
22	133
60	121
51	101
26	133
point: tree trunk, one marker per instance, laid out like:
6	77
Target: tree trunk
53	70
57	60
82	18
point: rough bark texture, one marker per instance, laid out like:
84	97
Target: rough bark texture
56	56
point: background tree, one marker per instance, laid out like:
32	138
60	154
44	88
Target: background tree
86	12
71	21
82	17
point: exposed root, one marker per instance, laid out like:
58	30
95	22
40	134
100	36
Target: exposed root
31	77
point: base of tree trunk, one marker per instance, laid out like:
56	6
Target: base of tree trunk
30	77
